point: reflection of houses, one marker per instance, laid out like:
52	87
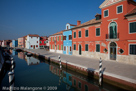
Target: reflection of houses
21	55
32	41
0	42
14	53
67	40
56	42
79	83
111	35
14	43
31	60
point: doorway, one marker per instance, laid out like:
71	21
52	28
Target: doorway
34	46
80	50
67	50
113	52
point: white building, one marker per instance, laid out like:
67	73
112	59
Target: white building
32	41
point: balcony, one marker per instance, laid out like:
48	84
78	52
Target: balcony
112	37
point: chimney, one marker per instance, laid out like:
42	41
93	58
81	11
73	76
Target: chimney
78	22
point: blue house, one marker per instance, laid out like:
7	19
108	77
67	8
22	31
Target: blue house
67	39
14	43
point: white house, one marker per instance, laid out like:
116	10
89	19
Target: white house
32	41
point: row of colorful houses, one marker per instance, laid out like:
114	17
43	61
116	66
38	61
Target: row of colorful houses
111	35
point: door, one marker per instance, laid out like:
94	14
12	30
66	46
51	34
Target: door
67	49
80	50
113	51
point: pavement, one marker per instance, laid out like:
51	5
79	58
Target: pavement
116	69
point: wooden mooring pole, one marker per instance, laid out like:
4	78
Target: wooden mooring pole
100	72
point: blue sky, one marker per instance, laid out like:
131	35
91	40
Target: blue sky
43	17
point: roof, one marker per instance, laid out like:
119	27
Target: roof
72	25
33	35
91	22
97	14
58	33
133	12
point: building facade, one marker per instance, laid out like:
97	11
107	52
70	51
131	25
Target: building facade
111	36
43	42
67	39
56	42
32	41
14	43
21	42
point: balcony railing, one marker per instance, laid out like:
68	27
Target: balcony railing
112	36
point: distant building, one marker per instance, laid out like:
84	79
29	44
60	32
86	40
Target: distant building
6	43
21	42
43	41
32	41
0	43
67	39
14	43
56	42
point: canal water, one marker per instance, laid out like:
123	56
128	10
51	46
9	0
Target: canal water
34	74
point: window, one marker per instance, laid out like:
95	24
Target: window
37	41
70	78
40	42
86	33
58	38
31	45
79	84
119	9
67	27
58	47
86	88
61	38
132	26
74	46
74	82
36	45
70	48
64	37
70	37
44	42
97	17
61	47
97	47
86	47
64	48
50	39
79	34
53	38
97	31
132	49
74	34
106	13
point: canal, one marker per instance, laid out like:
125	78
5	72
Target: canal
34	74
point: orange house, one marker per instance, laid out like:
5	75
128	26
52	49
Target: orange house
56	42
111	36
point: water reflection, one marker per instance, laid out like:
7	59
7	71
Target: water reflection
13	52
74	81
21	55
31	60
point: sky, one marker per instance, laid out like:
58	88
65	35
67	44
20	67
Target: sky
43	17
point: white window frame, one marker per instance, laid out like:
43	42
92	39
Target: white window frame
117	9
104	13
129	27
129	47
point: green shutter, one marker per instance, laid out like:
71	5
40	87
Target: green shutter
58	38
61	47
74	82
79	84
105	13
97	31
133	49
53	38
97	47
119	9
61	38
86	33
86	47
74	34
58	47
133	27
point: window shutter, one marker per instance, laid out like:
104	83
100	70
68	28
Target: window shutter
74	34
86	33
97	48
70	37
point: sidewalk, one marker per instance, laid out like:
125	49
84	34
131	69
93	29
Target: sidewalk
119	70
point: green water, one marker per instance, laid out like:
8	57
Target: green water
33	74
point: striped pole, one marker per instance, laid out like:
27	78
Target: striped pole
12	65
11	80
100	72
59	61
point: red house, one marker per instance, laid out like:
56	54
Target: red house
56	42
43	40
111	36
